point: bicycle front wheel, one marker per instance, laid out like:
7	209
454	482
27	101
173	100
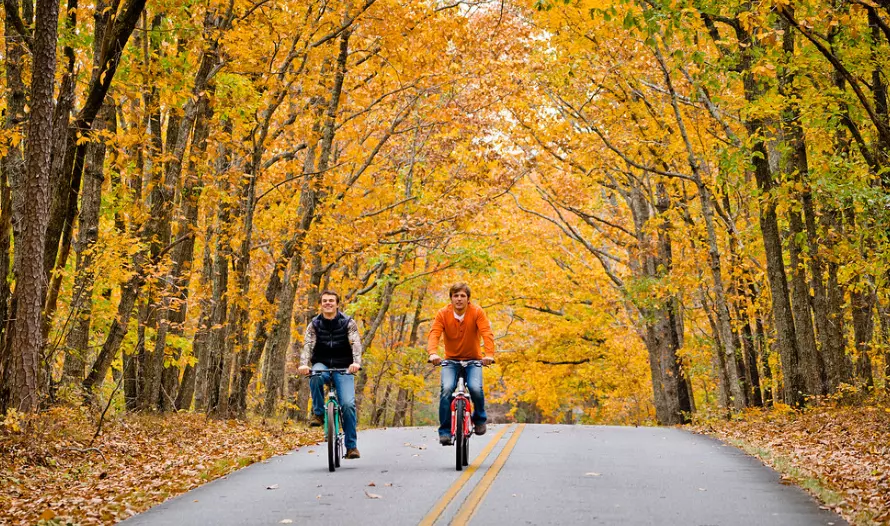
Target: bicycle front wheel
331	433
338	454
459	433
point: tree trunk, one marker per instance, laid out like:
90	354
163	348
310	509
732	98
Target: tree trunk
78	338
879	90
401	408
378	416
753	382
118	329
781	305
719	361
295	410
278	343
179	131
5	253
401	413
724	322
132	359
669	381
194	379
796	168
222	376
817	283
183	254
217	381
13	168
64	195
218	331
782	314
839	368
209	396
62	116
312	193
27	342
862	306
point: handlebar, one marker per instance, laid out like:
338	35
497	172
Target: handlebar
463	363
338	371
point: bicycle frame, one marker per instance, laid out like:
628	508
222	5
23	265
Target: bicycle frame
331	399
461	398
333	418
461	393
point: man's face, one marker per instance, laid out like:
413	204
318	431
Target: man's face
328	305
459	300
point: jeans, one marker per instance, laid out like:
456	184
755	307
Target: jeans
473	377
345	385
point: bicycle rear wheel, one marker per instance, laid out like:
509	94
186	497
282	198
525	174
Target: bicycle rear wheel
331	433
459	436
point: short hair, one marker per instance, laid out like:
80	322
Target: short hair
457	287
329	293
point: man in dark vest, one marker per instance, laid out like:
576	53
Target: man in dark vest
332	341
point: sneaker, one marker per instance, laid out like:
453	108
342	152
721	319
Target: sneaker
352	453
480	428
317	421
445	440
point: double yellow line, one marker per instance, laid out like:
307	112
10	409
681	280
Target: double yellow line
475	498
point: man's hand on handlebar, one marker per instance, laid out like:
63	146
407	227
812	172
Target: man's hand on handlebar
353	368
488	360
304	370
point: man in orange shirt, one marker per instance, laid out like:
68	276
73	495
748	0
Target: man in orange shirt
463	324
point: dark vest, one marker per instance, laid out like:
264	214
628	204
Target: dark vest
332	341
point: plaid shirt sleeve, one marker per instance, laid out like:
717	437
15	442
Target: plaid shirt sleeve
308	345
356	342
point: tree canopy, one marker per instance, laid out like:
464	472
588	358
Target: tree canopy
664	207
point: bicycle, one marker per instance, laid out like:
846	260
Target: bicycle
461	414
333	418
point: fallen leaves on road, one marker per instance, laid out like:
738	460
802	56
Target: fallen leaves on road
372	495
845	448
50	471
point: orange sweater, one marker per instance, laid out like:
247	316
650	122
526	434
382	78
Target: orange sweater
461	337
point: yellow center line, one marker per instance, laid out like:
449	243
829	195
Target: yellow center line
475	498
458	484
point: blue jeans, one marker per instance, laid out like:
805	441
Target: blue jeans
473	377
345	385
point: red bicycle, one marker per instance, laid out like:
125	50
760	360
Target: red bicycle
461	415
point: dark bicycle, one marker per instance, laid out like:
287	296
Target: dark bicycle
461	414
333	418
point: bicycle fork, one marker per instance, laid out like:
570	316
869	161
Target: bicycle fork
468	412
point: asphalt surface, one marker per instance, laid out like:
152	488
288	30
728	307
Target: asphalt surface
562	475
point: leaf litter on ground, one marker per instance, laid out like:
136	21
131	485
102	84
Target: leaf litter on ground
840	453
49	470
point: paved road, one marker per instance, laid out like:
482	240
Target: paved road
534	474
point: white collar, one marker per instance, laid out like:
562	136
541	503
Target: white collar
459	317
